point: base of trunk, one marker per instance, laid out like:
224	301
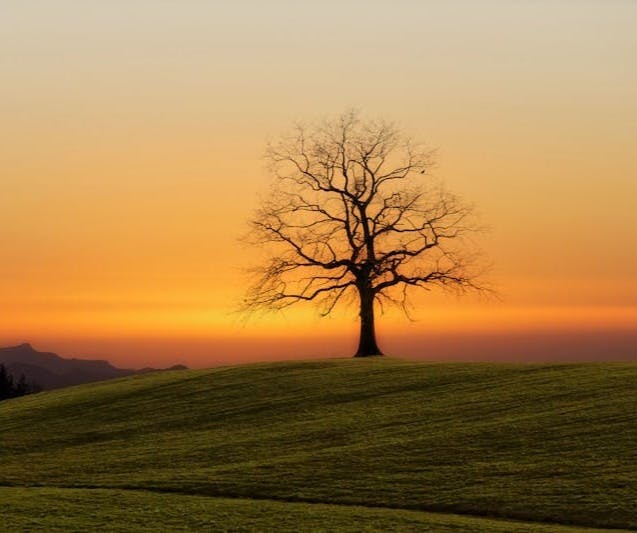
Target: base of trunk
367	346
379	354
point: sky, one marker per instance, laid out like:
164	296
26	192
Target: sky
132	140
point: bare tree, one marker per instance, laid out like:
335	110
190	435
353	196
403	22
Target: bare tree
353	213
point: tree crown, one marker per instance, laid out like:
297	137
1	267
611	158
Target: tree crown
353	208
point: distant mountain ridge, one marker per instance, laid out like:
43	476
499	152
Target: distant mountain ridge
50	371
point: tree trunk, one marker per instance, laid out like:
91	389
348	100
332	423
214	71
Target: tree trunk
367	343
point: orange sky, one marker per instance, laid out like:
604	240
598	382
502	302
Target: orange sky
131	146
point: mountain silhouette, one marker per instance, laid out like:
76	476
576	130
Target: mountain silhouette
50	371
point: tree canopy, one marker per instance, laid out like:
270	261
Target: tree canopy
354	213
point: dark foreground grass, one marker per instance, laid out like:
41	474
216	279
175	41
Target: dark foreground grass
555	444
121	510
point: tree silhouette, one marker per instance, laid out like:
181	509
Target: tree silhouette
6	383
9	389
353	213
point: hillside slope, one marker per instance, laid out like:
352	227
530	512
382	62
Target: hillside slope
542	443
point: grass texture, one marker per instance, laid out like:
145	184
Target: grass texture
379	439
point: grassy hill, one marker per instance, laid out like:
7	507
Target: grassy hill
380	440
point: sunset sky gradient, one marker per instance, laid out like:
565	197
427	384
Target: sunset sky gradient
131	155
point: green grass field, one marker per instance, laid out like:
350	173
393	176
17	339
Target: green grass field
340	444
